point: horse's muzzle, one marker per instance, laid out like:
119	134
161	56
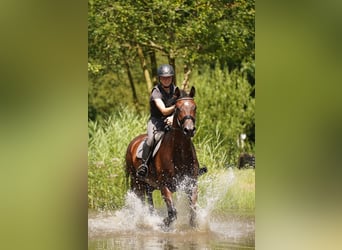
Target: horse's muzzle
189	131
188	125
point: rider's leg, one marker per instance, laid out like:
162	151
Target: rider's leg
143	168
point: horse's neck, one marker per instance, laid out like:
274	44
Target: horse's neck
179	140
175	124
177	134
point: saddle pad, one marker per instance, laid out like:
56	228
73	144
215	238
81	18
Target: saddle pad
155	149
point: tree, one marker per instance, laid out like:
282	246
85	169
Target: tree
197	31
194	32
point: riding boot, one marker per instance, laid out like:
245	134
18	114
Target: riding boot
143	168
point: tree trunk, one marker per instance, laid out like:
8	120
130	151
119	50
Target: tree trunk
172	61
185	83
144	67
154	67
131	82
130	77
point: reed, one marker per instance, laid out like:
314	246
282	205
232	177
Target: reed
108	141
234	188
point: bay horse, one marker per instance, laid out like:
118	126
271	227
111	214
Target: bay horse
175	161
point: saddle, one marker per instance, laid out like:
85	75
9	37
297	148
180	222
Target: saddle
158	138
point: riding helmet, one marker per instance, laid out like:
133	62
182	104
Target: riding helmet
166	70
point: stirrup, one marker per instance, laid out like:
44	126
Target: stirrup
142	170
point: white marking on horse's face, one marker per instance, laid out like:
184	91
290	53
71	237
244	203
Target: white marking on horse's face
186	104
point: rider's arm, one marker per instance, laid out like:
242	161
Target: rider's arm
164	110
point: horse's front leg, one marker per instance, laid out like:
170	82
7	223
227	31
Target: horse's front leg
171	210
138	188
193	194
149	193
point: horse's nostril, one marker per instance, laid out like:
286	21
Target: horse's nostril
189	132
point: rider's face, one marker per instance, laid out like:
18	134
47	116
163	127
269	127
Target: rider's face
166	80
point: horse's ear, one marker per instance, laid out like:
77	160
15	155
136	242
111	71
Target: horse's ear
192	92
177	92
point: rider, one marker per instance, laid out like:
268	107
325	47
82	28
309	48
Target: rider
162	106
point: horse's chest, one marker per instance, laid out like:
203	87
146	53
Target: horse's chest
183	153
183	158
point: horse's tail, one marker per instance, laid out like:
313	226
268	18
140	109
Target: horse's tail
129	168
127	172
127	178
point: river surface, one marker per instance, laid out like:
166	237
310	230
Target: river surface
133	227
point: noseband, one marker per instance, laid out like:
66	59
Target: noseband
186	118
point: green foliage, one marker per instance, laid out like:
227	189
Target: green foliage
111	91
192	33
108	141
200	32
226	111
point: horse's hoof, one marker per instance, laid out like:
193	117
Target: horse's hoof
169	220
193	224
164	227
203	170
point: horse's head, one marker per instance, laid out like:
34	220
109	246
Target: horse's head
185	112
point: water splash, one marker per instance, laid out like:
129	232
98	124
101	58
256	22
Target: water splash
133	227
135	215
216	189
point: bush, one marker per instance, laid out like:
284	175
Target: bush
226	110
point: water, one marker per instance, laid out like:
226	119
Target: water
133	227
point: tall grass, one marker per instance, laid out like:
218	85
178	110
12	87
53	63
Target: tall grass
108	141
225	109
240	192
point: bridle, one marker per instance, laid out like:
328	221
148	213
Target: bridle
181	122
